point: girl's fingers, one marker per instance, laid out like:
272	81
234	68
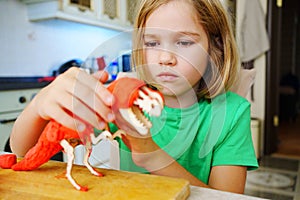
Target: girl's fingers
83	112
102	76
76	93
89	98
92	92
95	86
62	117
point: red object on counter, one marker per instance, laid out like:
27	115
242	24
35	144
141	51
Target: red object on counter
7	160
101	63
46	79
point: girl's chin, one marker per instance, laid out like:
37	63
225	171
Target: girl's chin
167	91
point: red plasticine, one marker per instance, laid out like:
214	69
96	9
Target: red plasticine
8	160
46	147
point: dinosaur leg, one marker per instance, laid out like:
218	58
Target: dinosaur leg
70	155
104	135
88	148
118	133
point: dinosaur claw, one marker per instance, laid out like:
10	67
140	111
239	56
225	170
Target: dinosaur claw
98	174
84	188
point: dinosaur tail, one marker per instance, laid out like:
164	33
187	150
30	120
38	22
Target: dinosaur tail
42	151
38	155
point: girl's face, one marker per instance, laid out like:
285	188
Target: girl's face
175	50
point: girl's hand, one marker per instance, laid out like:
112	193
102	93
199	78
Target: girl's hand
144	150
76	93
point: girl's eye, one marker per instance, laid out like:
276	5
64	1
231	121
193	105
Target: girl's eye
151	44
184	43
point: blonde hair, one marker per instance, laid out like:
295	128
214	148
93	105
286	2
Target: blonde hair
223	66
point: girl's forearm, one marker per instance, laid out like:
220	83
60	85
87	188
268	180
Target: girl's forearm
26	130
158	162
174	169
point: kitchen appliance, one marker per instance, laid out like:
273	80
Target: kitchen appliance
15	95
12	102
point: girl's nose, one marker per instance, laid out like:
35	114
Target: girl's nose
167	58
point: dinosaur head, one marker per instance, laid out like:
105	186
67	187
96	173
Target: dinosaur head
133	99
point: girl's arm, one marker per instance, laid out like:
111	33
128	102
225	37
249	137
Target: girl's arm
26	130
147	154
73	91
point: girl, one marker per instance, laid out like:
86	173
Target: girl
186	49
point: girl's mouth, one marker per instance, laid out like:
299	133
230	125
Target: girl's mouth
167	76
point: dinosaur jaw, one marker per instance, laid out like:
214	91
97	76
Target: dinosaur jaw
137	119
148	101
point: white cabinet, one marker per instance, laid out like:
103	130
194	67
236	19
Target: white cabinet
113	14
12	102
81	8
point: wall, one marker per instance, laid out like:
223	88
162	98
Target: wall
36	48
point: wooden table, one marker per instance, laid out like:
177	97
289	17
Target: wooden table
48	182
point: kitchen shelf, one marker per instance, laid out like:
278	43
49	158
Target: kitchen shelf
61	9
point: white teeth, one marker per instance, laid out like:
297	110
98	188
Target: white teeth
154	95
142	104
142	94
137	121
130	117
148	101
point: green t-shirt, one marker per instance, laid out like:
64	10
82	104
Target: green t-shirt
204	135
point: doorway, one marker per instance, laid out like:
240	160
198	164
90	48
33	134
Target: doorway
283	76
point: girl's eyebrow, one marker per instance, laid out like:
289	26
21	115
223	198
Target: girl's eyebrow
185	33
188	33
149	35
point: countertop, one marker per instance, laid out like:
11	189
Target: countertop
198	193
49	182
27	82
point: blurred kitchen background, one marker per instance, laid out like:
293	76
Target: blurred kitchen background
35	48
40	37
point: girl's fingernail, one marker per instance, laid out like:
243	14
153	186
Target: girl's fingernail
80	127
102	125
109	99
110	117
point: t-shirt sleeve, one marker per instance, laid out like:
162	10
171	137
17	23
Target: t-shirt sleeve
236	147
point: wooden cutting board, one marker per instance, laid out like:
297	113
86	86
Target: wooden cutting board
48	182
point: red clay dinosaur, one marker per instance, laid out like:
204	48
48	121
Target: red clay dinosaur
133	98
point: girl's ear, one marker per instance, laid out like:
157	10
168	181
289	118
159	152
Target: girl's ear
218	42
